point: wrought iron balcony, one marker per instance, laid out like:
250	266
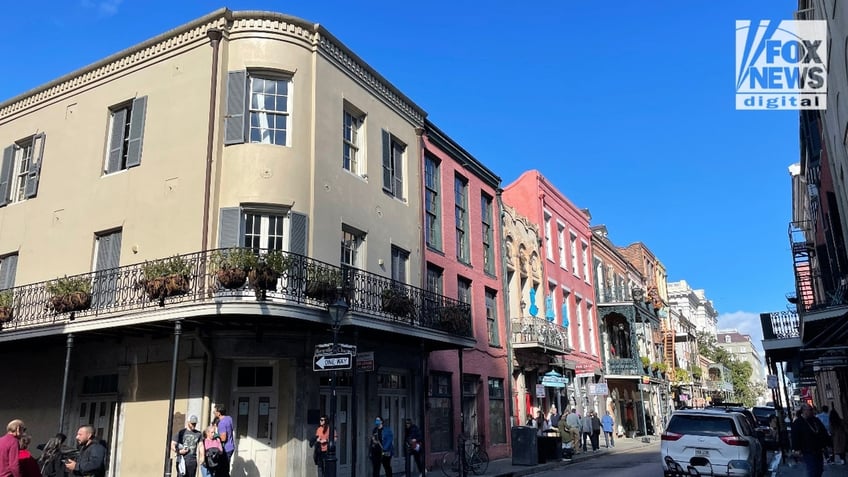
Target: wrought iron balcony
538	333
232	275
625	367
780	325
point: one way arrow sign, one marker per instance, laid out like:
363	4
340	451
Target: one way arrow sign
331	362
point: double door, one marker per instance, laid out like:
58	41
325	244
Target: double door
254	419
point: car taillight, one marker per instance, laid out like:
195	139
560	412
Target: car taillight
670	436
735	441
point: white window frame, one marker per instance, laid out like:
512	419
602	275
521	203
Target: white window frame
566	300
353	121
590	314
265	234
549	246
24	151
585	257
352	241
578	310
563	261
575	266
264	129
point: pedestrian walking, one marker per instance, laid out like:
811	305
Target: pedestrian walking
185	446
838	435
382	450
608	425
225	432
586	431
92	456
596	431
210	454
322	444
9	447
414	445
573	421
809	439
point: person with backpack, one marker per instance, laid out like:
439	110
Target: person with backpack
211	455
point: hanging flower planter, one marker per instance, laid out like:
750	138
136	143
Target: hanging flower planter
69	294
455	319
323	283
166	278
396	302
231	266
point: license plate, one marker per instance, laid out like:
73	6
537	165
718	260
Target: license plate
702	452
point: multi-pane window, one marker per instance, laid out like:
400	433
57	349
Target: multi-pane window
488	235
126	130
561	245
440	412
435	279
23	165
393	153
497	411
590	311
463	288
549	246
574	265
565	313
581	333
351	146
263	231
492	317
269	110
460	189
351	243
585	257
400	262
20	169
432	224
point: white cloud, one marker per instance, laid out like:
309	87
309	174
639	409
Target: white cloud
103	7
746	323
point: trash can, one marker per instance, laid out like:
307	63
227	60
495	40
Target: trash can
525	450
550	448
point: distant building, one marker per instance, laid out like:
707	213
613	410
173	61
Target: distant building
742	348
693	305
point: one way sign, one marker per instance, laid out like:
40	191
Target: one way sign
331	362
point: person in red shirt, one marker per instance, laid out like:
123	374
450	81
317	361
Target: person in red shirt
29	466
9	447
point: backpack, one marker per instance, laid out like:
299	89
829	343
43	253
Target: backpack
213	457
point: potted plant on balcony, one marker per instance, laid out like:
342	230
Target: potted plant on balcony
681	375
268	270
165	278
662	369
6	302
231	266
696	373
646	363
397	302
69	294
322	282
455	318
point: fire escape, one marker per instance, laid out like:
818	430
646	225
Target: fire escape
803	252
668	334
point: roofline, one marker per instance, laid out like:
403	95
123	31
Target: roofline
443	141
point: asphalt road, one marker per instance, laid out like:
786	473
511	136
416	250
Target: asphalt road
636	463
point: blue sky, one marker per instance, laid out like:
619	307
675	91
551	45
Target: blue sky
627	106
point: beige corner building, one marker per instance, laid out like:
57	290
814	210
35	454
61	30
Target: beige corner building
239	129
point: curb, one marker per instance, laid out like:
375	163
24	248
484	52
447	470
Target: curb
564	463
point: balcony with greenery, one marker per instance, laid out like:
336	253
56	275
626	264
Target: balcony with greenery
237	276
537	333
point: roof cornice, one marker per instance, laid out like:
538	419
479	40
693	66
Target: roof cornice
460	155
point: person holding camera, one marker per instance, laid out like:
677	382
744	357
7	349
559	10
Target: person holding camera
52	456
92	456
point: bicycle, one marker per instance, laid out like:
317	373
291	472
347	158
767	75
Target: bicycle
473	458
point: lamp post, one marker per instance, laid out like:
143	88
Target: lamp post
337	310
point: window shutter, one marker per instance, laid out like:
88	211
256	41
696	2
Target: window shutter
398	172
235	120
6	173
35	167
230	228
387	161
8	267
106	273
116	141
137	115
298	233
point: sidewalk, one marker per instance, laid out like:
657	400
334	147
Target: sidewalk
504	467
799	470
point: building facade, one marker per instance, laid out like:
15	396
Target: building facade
694	306
188	267
567	289
468	390
741	347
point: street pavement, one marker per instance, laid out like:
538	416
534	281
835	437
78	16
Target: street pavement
504	467
792	469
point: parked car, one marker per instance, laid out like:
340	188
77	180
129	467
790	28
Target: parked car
711	442
763	414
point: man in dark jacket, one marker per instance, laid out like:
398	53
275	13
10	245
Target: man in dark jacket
809	438
92	457
414	444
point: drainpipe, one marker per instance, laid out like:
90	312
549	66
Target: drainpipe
178	330
505	294
69	344
214	35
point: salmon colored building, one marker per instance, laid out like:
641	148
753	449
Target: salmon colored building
566	296
467	390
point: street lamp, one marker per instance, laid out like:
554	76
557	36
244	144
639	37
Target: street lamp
337	310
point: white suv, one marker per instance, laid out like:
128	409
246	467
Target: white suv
711	443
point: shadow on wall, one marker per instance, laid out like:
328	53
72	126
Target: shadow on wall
243	468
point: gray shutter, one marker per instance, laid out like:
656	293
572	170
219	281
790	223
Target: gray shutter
116	141
8	267
35	166
398	174
106	269
137	115
230	228
298	233
387	161
6	173
234	121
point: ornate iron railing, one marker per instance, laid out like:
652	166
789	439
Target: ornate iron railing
537	331
625	366
207	277
780	325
